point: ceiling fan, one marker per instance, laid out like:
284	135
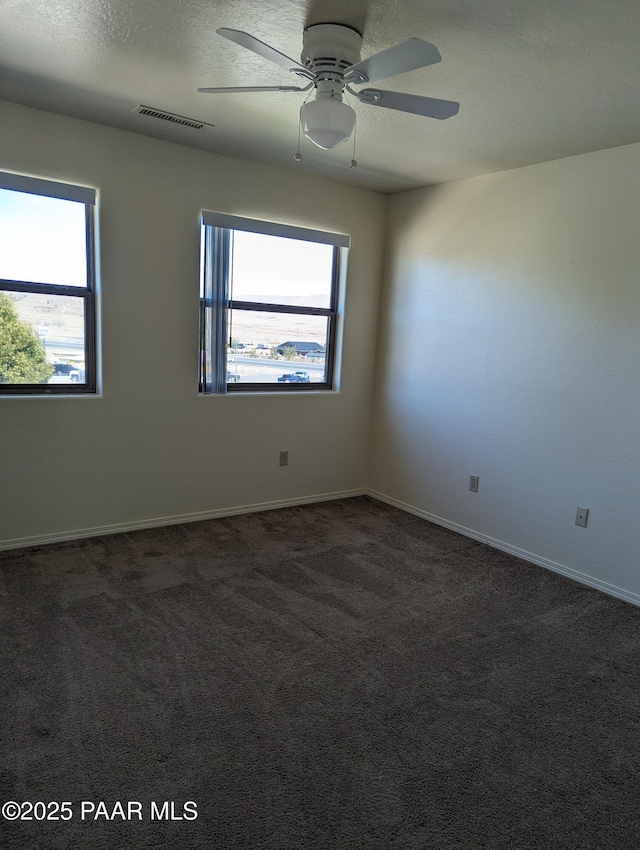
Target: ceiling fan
331	63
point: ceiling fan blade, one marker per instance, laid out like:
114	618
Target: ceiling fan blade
236	89
411	54
259	47
429	107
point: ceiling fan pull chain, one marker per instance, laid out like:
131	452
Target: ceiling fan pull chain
353	163
297	155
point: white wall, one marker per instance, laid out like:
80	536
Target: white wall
151	448
510	349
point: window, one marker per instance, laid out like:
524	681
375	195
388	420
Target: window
47	287
268	306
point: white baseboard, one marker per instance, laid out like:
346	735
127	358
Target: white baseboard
155	522
582	578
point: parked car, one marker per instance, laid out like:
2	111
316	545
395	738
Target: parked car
232	377
295	378
64	372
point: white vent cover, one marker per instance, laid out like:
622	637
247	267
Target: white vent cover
169	116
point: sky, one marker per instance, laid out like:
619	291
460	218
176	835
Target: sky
279	270
42	240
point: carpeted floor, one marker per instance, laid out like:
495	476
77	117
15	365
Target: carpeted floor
340	675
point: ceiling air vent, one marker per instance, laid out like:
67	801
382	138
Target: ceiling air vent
173	119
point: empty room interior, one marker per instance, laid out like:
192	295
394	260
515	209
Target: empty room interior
319	424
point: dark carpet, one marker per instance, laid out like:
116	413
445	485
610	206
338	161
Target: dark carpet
340	675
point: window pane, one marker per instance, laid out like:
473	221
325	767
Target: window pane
268	346
275	270
41	339
42	240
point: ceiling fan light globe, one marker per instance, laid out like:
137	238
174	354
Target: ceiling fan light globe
327	122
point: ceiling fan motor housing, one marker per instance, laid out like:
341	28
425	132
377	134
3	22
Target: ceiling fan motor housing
330	49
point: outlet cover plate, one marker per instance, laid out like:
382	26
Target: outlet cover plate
582	516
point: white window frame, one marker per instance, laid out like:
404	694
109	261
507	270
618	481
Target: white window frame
216	302
83	195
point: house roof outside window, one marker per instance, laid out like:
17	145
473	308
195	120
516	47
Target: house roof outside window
302	347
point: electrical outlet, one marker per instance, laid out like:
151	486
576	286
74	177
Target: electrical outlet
582	515
474	483
284	458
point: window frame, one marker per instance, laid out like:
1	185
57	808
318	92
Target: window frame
216	304
87	197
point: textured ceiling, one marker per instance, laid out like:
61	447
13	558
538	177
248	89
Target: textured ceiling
535	80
